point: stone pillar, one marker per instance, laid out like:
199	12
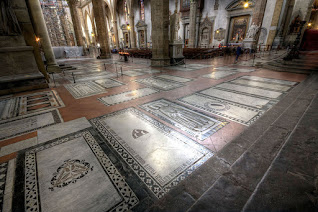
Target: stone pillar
76	22
275	19
116	33
192	24
132	30
252	37
64	24
102	32
41	31
160	32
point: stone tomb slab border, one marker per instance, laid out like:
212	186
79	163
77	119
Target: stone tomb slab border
220	123
27	176
171	84
144	173
258	112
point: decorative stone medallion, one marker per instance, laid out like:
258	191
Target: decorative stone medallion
69	172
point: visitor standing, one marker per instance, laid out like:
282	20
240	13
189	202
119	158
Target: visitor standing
238	53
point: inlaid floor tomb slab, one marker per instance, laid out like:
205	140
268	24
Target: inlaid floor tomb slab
85	89
160	156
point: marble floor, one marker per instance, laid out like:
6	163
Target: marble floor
122	135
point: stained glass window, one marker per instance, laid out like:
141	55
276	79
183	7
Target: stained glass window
142	10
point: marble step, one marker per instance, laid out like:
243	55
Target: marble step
300	63
282	68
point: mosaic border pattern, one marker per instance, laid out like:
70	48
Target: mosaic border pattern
56	116
260	112
222	123
112	138
105	103
188	79
3	180
31	184
19	105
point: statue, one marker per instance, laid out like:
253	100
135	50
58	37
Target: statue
9	24
252	31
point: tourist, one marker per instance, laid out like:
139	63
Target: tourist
238	53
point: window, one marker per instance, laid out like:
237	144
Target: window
142	10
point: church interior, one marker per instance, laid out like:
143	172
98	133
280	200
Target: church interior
158	105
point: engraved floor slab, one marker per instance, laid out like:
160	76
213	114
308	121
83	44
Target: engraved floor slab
250	90
181	68
160	83
85	89
74	174
85	78
160	156
108	83
174	78
219	74
27	104
133	73
227	68
127	96
262	79
236	97
229	110
24	124
194	123
262	84
147	70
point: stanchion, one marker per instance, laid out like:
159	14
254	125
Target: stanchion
53	79
73	77
105	66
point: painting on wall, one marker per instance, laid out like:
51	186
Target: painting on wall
239	27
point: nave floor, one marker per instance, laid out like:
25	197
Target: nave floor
122	140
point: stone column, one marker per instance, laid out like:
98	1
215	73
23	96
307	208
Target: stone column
252	37
160	32
76	22
102	32
132	30
41	31
64	24
275	19
116	33
192	24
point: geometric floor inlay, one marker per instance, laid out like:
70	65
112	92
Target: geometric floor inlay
127	96
161	84
194	123
174	78
74	174
219	74
108	83
229	110
24	124
22	105
227	68
85	89
159	155
3	174
242	96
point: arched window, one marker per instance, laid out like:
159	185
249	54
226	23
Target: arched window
142	10
126	11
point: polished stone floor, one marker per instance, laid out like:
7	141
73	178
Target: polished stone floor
116	136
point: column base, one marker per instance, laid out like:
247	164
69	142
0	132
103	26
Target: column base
53	68
104	56
160	62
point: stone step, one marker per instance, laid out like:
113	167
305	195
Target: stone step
300	63
283	68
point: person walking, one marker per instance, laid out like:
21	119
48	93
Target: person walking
238	53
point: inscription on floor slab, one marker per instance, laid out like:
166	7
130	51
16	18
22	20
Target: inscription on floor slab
194	123
174	78
127	96
160	156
